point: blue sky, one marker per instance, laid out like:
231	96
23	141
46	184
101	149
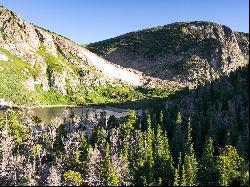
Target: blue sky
86	21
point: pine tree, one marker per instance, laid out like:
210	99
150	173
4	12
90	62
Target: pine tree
190	165
207	167
139	177
149	152
141	150
105	164
176	177
229	165
178	138
178	119
127	162
127	128
126	176
98	138
130	122
163	159
109	175
112	179
82	155
189	144
183	177
84	148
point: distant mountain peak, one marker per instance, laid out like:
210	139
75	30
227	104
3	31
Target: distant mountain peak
186	52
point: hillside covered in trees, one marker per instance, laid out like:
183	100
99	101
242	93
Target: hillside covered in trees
195	137
181	93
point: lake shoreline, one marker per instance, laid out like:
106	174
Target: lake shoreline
103	105
10	105
122	105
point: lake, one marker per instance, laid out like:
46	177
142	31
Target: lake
47	113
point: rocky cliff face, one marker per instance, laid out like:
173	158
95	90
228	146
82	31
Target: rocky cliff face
187	53
47	61
243	41
24	40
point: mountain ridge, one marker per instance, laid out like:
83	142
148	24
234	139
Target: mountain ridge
52	69
175	45
42	68
158	26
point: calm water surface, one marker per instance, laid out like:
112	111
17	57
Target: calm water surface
46	114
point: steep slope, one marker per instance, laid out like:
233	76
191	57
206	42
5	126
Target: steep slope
219	109
41	67
185	52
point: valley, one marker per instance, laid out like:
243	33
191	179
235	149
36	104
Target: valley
161	106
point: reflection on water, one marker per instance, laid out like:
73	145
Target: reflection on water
46	114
